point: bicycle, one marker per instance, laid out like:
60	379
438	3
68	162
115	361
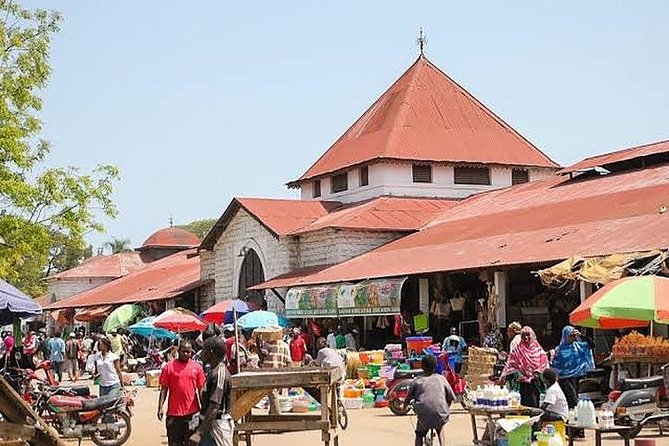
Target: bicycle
431	438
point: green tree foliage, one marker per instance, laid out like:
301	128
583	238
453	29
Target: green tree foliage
45	211
199	227
119	245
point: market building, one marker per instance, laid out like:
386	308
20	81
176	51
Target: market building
162	273
421	149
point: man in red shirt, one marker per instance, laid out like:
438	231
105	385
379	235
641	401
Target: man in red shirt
298	348
181	379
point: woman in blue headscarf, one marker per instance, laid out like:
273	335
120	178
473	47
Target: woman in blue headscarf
572	360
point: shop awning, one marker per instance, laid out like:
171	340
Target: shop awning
601	269
93	313
368	298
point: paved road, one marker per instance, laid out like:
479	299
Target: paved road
367	427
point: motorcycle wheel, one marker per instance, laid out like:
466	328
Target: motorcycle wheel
100	440
398	407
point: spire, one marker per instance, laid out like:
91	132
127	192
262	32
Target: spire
171	220
421	41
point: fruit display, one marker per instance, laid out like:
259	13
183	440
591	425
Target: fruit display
636	344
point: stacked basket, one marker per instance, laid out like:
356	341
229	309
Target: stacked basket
480	365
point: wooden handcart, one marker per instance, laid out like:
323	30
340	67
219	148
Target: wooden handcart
249	387
491	416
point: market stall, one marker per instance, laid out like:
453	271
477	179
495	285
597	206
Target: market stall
636	355
250	387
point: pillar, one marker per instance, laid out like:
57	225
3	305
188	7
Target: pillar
501	285
424	295
586	290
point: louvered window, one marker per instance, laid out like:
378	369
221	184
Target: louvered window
317	189
422	173
339	182
472	175
519	176
364	176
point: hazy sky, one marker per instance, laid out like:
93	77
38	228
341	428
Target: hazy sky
198	102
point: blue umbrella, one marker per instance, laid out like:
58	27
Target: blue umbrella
260	318
145	328
15	304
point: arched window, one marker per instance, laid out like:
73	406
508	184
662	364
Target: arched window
251	273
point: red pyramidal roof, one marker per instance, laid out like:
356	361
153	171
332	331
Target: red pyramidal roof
426	116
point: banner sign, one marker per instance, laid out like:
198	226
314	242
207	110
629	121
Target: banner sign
369	298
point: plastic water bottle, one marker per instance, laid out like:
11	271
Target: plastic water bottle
555	439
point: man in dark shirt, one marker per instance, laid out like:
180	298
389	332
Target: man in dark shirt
217	425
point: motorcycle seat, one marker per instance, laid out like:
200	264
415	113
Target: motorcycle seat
100	403
410	374
597	373
75	390
641	383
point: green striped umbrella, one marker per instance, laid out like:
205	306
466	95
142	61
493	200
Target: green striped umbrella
625	303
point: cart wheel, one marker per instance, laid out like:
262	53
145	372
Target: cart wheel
342	415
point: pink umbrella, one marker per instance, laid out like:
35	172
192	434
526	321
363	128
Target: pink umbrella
179	320
220	312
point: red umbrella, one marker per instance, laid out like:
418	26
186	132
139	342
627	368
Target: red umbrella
219	312
179	320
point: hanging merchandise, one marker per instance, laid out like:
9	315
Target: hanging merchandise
439	309
457	301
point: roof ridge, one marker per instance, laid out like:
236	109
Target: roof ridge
627	149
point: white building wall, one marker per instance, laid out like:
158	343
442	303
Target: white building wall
395	179
244	231
64	288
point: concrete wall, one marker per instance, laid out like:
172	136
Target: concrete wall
386	178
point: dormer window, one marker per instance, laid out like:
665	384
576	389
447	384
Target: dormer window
422	173
519	176
316	192
472	175
364	176
339	182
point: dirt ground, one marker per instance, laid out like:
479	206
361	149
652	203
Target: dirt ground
367	425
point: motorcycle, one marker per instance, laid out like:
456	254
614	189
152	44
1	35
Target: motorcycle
398	387
640	401
105	420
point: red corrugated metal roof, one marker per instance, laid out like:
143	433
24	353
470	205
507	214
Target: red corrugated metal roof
285	216
171	237
117	265
162	279
533	223
621	155
382	214
426	116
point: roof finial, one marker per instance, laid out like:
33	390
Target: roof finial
171	221
421	41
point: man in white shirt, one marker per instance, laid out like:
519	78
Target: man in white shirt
555	405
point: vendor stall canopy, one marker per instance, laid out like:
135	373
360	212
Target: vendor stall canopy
601	270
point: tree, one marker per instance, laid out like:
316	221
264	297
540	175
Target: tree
119	245
199	227
42	208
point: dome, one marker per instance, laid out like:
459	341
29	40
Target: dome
171	238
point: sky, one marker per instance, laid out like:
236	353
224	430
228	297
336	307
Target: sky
198	102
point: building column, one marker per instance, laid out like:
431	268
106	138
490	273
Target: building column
586	290
501	285
424	295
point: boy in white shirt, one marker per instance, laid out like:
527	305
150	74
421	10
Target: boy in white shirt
555	405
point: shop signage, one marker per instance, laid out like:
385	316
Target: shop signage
368	298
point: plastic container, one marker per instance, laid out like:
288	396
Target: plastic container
351	392
368	400
418	343
363	373
352	403
374	370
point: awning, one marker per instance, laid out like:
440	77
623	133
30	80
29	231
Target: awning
368	298
602	270
93	313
